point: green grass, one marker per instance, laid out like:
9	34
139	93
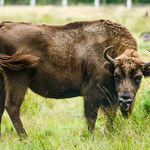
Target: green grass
59	124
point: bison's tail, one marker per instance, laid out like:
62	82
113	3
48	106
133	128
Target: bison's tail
18	61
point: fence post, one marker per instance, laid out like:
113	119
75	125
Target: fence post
129	4
96	3
32	2
2	2
64	3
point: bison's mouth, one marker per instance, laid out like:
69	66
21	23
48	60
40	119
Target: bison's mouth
125	106
125	113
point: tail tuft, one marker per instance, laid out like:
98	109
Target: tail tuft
18	61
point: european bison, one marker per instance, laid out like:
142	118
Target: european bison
68	61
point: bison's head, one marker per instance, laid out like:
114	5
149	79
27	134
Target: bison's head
128	70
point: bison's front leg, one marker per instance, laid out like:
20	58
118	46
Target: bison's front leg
91	105
90	112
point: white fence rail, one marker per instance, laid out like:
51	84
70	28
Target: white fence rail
32	2
65	3
96	3
129	4
1	2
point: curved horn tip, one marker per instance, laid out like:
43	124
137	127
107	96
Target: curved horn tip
107	57
107	48
147	65
110	46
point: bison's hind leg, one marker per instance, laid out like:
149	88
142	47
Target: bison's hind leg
2	99
16	85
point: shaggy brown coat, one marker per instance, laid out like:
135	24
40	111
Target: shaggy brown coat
61	62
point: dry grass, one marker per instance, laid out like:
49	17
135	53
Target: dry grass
71	12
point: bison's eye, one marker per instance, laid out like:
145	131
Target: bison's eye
117	78
138	79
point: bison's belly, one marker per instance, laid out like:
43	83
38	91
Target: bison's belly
52	86
48	93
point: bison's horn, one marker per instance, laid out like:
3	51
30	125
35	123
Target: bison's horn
107	57
148	63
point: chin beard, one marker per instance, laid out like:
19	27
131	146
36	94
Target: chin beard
126	113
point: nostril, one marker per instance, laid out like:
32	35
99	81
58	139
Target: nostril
128	105
125	97
120	103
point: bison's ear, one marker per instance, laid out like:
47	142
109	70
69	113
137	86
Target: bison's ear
146	71
108	66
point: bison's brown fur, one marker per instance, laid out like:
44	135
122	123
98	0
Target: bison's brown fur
129	60
65	61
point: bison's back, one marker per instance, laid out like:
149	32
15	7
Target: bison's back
67	54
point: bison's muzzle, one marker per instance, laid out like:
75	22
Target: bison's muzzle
125	100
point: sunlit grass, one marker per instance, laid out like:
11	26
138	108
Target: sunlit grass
59	124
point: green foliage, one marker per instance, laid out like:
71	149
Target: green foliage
17	2
45	2
140	1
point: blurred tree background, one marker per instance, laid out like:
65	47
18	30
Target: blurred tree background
72	2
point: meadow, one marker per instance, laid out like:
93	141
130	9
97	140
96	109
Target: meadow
59	124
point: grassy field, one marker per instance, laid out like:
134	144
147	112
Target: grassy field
60	124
